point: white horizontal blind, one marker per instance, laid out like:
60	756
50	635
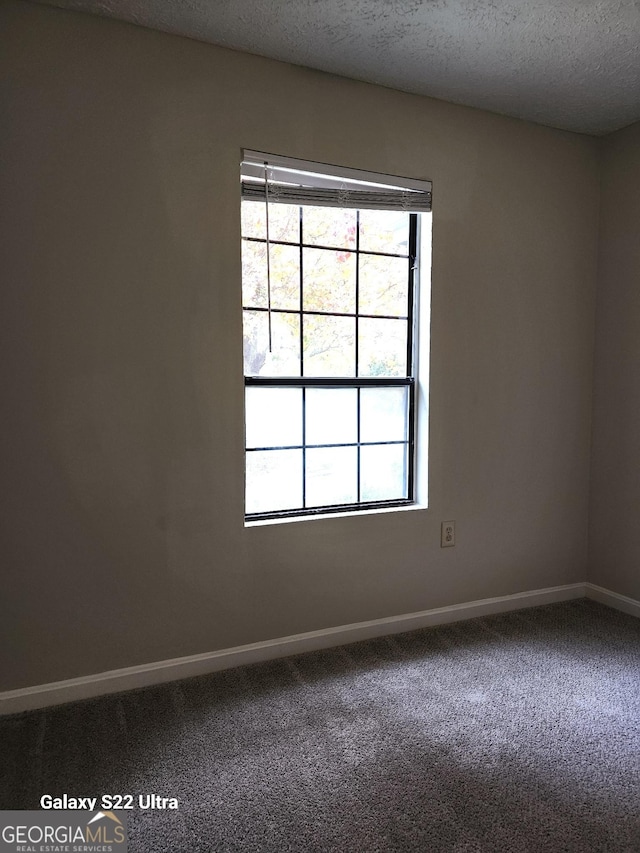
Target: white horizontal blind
299	182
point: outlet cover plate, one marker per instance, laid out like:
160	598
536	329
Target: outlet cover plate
448	534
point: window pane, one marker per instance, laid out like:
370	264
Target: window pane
329	226
273	416
383	285
383	472
329	346
284	359
384	231
331	415
384	414
382	348
285	276
254	275
284	221
329	281
273	480
253	219
331	476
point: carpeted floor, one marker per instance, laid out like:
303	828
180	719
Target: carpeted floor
517	732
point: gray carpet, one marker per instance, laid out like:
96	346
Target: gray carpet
517	732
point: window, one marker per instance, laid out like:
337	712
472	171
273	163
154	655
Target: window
329	260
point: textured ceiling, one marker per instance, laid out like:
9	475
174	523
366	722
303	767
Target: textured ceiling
572	64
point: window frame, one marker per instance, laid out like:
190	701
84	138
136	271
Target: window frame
409	380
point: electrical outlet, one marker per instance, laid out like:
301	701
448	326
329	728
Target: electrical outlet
448	534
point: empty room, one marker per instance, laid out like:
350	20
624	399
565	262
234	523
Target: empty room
320	335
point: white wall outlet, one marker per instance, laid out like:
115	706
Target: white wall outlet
448	534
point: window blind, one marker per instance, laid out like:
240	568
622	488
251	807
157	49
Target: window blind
300	183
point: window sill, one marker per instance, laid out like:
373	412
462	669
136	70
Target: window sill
321	517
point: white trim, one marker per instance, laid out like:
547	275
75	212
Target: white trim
613	599
275	160
422	357
129	678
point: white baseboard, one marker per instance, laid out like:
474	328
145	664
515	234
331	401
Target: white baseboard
613	599
129	678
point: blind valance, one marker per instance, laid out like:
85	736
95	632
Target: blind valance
285	181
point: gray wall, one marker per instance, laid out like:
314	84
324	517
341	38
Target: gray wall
122	455
614	553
